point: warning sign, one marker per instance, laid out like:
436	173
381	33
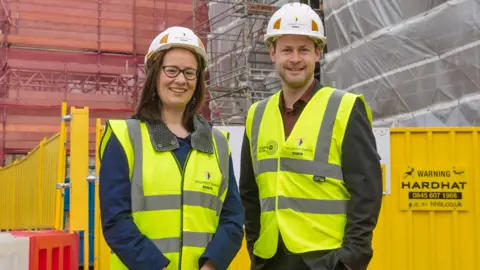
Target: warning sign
439	189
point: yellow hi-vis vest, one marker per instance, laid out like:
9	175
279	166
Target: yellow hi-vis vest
300	181
178	212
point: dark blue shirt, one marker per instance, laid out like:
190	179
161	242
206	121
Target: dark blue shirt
134	249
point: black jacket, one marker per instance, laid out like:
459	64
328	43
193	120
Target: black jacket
363	179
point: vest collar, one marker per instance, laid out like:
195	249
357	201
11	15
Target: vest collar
164	140
317	87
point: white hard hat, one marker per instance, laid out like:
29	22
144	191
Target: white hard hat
295	19
175	36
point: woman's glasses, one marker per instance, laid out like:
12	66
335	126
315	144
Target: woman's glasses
172	72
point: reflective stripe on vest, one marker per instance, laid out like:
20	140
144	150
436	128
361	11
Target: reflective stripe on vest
319	166
140	202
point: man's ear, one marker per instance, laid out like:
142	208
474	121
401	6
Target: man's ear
272	52
318	52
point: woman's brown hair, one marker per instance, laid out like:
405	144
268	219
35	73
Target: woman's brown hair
149	106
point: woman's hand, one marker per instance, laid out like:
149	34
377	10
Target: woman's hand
208	265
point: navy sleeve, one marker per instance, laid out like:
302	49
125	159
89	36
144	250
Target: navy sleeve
229	235
134	249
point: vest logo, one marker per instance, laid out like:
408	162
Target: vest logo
206	183
270	148
299	141
298	147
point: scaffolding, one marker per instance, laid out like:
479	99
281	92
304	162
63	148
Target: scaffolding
87	53
240	71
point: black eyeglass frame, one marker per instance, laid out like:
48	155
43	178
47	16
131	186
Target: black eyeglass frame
179	70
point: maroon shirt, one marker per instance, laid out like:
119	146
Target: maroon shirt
290	115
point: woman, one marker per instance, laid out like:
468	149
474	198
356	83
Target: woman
168	194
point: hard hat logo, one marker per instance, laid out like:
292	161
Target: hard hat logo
296	24
277	24
164	39
314	26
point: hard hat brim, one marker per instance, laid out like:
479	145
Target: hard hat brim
272	38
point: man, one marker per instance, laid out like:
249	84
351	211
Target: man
310	178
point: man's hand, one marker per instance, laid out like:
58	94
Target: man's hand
208	265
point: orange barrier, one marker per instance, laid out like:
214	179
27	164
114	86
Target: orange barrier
52	250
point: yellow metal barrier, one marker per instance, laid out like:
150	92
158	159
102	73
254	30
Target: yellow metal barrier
242	260
28	188
102	250
79	218
32	189
62	159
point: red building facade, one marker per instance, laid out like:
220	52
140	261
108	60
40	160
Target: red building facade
87	53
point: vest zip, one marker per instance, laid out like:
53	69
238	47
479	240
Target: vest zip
181	204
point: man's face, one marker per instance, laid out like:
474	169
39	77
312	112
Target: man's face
295	57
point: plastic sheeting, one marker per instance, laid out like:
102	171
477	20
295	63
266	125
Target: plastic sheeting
416	62
351	20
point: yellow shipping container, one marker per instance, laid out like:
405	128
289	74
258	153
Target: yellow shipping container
430	219
430	216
